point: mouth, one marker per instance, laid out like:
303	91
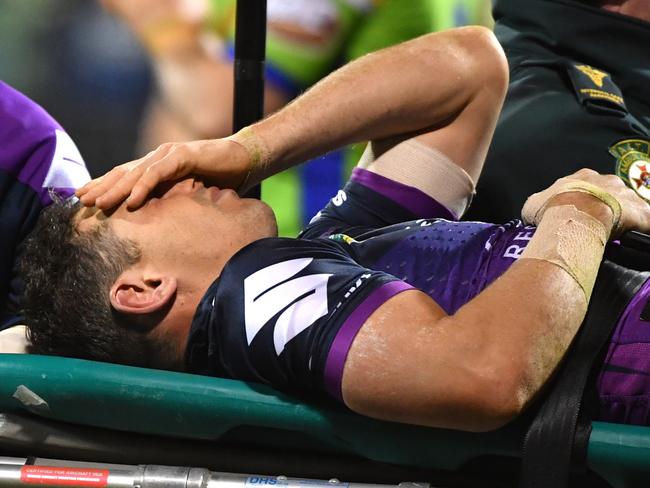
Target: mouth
217	194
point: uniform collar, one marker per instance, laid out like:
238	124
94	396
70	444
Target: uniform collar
615	43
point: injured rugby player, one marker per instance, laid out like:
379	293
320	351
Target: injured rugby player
385	302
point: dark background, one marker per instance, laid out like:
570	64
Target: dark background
83	67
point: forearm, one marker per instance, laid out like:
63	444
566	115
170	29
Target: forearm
412	87
534	310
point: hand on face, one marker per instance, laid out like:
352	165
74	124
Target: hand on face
634	211
218	162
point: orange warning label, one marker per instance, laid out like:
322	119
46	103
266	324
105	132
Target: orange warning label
54	475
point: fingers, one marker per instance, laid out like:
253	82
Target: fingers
113	195
116	185
92	191
168	168
635	213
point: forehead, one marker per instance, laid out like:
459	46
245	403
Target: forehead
89	218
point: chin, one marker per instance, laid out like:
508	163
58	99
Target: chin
268	222
260	219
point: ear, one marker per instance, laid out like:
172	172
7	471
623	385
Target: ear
135	293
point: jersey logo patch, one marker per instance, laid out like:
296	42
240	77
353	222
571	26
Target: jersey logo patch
272	290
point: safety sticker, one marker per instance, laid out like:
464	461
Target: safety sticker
633	164
54	475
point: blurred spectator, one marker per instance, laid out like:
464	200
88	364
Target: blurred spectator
306	40
579	96
83	66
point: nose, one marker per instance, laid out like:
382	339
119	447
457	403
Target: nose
179	187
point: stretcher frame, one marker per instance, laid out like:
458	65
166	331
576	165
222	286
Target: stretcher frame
256	428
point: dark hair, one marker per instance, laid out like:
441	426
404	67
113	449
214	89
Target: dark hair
67	276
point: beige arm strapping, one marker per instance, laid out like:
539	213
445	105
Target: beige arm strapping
415	164
258	154
573	240
535	206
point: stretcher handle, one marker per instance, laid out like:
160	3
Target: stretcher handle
250	52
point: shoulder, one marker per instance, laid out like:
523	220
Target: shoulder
35	149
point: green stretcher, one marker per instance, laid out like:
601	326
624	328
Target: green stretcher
92	411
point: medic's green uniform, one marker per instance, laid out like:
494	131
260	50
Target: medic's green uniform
579	97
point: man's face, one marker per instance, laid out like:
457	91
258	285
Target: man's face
639	9
188	227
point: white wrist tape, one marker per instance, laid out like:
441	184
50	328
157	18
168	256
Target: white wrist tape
571	239
414	164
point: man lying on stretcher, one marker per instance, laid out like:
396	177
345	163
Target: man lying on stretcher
384	302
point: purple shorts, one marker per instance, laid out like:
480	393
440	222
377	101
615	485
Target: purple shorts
624	379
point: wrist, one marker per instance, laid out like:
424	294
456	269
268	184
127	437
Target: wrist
572	238
589	204
259	157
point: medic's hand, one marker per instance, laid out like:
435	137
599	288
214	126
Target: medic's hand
219	162
634	211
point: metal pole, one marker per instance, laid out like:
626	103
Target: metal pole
250	52
96	475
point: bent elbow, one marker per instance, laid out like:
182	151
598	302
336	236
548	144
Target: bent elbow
487	63
498	399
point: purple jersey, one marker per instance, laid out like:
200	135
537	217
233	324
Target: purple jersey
36	157
286	311
624	381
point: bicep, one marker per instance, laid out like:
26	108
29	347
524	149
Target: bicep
445	159
475	370
408	364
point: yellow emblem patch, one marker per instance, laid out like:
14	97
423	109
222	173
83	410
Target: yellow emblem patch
633	164
595	75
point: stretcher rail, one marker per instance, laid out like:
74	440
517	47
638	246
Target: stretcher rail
55	474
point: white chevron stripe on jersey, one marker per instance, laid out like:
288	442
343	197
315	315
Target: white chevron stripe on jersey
266	292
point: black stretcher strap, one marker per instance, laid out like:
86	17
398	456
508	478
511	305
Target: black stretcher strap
556	441
250	53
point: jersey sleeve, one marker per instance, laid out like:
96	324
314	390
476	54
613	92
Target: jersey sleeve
285	312
370	201
37	159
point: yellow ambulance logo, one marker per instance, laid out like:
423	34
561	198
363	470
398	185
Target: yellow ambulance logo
594	74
